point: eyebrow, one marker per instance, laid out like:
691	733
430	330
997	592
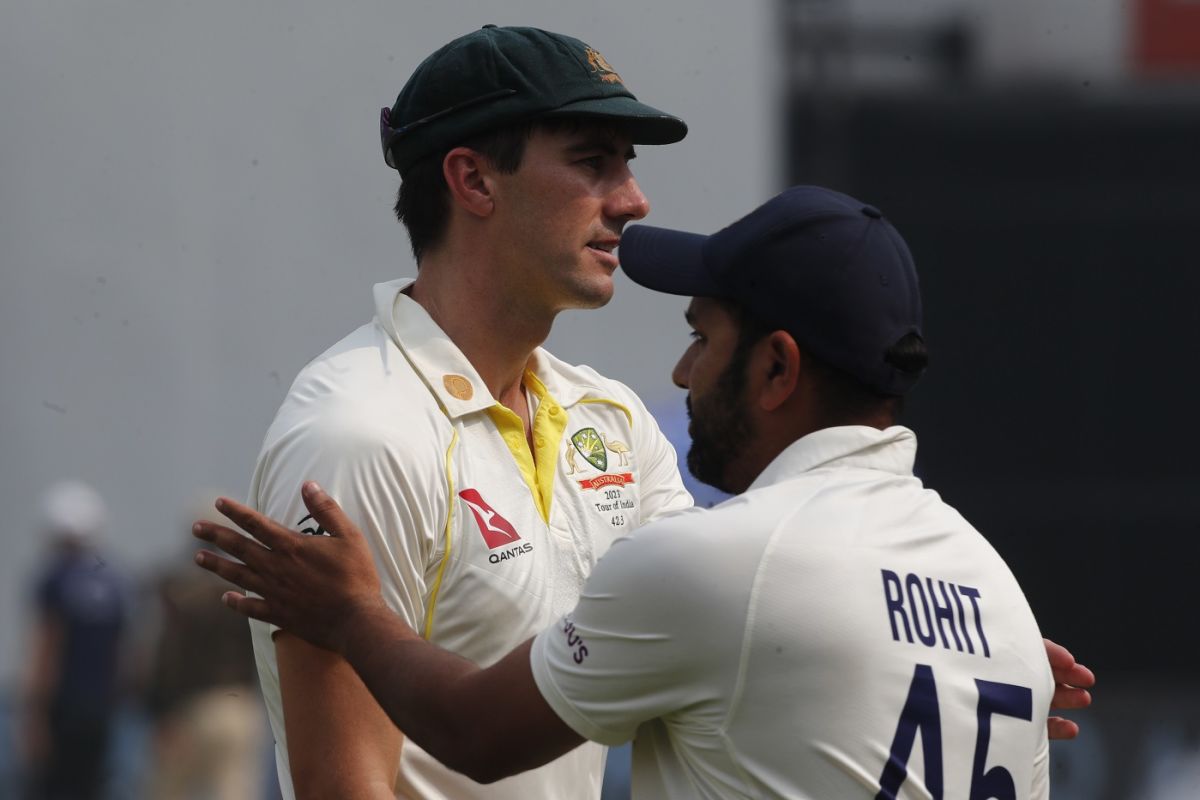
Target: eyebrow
690	316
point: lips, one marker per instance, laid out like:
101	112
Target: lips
603	250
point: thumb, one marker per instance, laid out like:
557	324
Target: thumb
327	512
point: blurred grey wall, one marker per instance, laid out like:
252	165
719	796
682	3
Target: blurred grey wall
193	203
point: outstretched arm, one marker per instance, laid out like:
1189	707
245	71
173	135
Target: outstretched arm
325	590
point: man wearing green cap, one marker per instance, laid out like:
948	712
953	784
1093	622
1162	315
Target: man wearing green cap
488	475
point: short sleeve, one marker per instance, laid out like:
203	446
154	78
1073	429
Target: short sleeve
386	484
646	639
663	491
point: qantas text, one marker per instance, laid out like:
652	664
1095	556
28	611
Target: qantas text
512	552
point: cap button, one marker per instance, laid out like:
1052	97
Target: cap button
872	212
489	25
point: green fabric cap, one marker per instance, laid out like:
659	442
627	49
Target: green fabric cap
498	76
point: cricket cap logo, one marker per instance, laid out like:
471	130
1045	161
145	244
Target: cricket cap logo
496	530
601	68
591	446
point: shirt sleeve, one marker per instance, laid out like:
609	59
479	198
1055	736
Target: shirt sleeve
388	484
644	641
663	491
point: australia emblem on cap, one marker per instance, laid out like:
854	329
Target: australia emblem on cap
602	68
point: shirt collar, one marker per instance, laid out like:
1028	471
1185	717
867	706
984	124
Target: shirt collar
853	446
439	362
448	373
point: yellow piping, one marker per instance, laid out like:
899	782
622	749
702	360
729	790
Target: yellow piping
437	583
604	401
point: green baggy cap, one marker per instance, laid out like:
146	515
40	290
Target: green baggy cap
498	76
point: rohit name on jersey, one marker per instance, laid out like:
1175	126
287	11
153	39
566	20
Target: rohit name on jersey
914	606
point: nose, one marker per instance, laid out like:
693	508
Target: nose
679	375
627	202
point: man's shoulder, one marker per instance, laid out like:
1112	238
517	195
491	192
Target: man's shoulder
364	369
360	389
580	382
694	543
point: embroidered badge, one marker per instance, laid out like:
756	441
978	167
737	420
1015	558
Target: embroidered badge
590	445
620	448
602	68
458	387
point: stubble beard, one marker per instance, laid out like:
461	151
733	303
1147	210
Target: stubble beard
721	431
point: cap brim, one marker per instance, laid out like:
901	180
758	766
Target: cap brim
667	261
646	124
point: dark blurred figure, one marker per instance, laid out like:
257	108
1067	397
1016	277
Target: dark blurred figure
73	662
202	695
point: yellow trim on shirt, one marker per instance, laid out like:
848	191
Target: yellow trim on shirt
607	402
539	466
447	535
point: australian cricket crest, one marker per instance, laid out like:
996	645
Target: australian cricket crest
589	445
595	446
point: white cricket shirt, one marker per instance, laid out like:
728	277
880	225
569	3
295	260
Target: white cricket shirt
479	543
789	641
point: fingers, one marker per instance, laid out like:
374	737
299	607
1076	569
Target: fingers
1059	728
261	527
327	512
253	607
1065	668
1075	675
239	575
235	544
1070	697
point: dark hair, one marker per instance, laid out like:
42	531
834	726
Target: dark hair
423	200
844	399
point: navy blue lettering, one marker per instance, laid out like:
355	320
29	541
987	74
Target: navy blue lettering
927	638
1009	701
895	604
962	619
920	714
943	614
973	595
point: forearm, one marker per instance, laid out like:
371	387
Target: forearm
419	685
339	742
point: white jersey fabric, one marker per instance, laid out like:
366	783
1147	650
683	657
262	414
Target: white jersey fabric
790	641
479	542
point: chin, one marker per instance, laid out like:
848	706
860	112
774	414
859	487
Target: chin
593	294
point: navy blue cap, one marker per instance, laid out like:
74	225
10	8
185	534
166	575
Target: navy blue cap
824	267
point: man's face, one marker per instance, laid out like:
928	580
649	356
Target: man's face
561	214
714	373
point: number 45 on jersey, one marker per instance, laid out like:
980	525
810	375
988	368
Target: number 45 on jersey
921	714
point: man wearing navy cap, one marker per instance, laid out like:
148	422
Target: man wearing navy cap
834	631
487	476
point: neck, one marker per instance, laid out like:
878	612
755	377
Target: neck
493	329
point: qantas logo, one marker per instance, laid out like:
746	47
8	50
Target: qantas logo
496	530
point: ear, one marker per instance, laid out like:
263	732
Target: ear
468	175
779	365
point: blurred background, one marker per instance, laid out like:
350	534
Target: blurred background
193	204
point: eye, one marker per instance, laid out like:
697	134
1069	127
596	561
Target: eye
696	336
592	162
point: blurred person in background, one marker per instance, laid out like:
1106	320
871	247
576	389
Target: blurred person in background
201	693
72	667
